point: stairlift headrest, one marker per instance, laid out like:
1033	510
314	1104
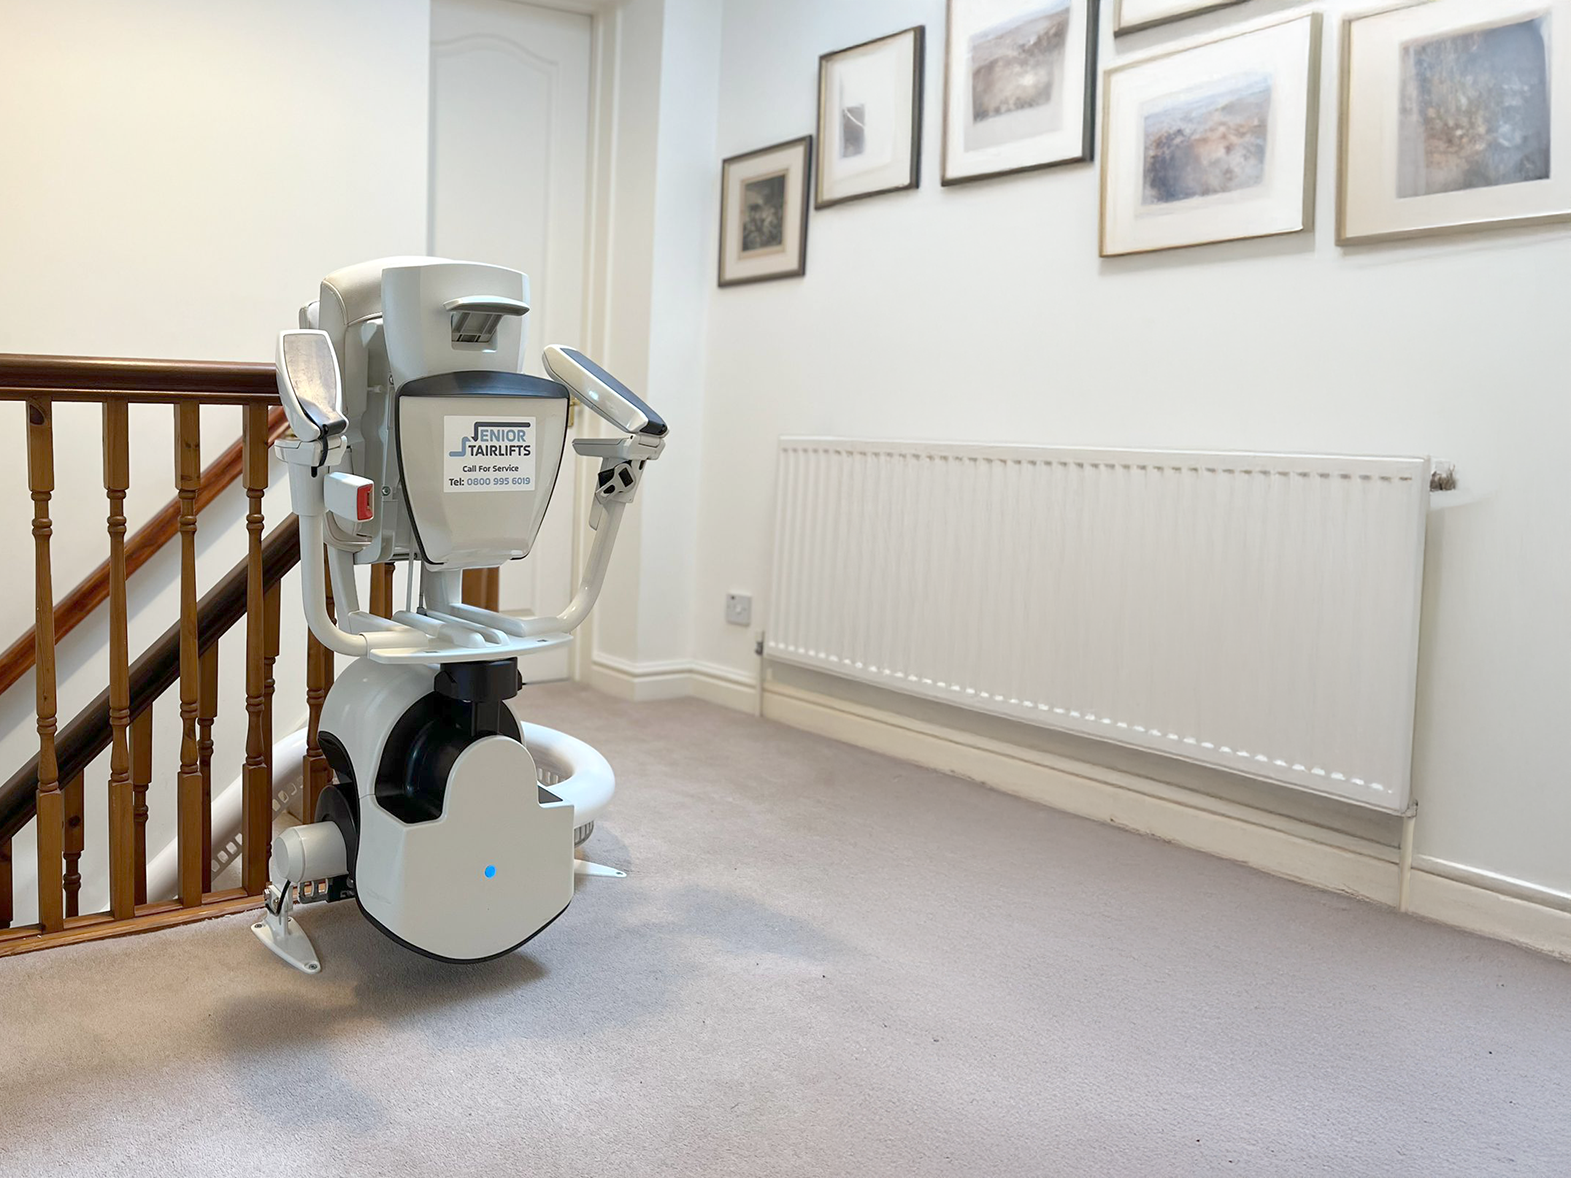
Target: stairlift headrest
440	317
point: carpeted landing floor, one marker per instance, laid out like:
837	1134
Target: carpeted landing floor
824	962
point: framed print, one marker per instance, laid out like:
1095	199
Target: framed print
1019	86
870	118
1212	143
1455	114
1130	16
763	213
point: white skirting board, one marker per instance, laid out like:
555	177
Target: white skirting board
1268	842
673	680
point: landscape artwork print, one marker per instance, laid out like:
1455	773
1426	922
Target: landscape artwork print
1018	81
1017	77
1214	142
1475	109
1208	142
1453	113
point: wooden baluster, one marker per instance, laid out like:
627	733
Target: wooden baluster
7	900
481	587
315	772
122	838
382	590
256	814
270	625
75	841
51	804
141	778
207	711
188	480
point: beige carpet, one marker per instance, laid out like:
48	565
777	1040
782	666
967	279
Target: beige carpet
824	962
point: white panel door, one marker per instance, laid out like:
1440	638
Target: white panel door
509	185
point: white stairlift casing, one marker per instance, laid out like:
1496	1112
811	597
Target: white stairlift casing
452	846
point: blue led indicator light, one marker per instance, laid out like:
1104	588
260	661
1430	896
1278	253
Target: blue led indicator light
490	872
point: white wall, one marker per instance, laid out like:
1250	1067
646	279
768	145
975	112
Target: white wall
658	187
180	174
983	312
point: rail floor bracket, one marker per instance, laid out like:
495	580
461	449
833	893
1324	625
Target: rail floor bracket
282	934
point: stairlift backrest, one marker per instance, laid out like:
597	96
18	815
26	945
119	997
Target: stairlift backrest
396	323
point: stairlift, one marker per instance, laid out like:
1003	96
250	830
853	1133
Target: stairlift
417	439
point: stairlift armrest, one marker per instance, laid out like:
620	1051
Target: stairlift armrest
589	585
583	599
313	591
634	447
309	385
602	392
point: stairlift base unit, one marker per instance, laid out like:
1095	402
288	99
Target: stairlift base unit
446	783
438	821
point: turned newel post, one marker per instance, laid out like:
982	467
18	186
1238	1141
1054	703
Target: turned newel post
51	803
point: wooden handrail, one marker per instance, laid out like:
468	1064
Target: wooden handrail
99	378
88	735
78	605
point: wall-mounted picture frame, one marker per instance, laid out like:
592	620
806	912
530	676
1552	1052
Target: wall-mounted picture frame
1456	115
1019	86
870	118
763	213
1133	16
1213	142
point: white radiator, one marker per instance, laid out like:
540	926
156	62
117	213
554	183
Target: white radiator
1257	612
